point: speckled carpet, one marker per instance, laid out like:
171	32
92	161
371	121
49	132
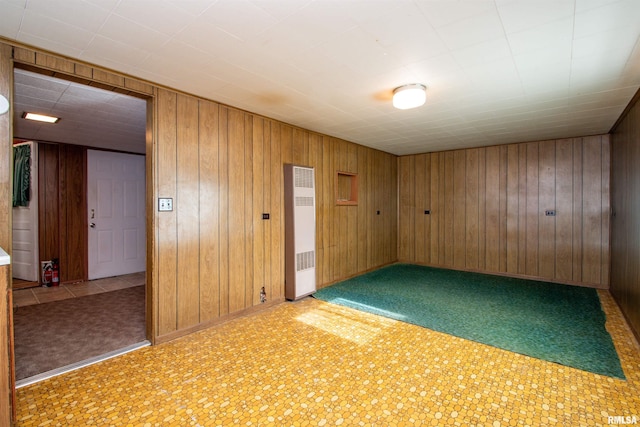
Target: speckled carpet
558	323
56	334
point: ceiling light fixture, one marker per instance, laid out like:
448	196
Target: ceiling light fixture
40	118
409	96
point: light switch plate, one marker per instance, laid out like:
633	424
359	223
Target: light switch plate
165	204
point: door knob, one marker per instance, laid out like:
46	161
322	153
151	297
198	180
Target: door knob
92	225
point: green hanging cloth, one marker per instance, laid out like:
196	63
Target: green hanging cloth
21	175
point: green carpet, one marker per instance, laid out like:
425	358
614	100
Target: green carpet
557	323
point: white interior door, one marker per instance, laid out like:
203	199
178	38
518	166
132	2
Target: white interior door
116	209
24	258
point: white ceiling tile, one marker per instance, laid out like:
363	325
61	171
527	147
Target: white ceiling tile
282	9
482	53
240	18
518	16
122	53
442	13
607	46
39	26
555	37
123	30
85	15
11	17
159	15
471	31
608	17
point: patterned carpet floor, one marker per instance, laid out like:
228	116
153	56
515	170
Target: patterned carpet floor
56	334
558	323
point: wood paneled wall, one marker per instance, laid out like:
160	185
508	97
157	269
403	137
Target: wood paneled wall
625	225
487	209
224	169
62	208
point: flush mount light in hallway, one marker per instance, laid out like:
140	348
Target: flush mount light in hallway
40	118
409	96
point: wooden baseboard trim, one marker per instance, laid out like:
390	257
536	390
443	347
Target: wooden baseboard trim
222	319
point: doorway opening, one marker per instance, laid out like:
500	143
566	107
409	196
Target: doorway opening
87	210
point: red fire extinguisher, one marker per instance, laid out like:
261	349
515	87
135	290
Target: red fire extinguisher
47	274
55	272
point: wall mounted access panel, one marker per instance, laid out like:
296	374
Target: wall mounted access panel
300	231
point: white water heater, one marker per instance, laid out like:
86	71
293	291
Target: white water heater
300	231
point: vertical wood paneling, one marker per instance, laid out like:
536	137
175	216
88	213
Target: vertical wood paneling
276	250
352	217
492	209
592	205
472	210
459	208
532	209
327	206
48	200
223	218
577	226
502	215
564	205
250	296
625	223
547	200
62	208
487	209
209	216
236	212
268	208
427	218
512	198
72	253
187	212
258	204
482	208
522	208
605	212
420	170
448	211
407	211
436	209
390	194
315	160
363	210
166	234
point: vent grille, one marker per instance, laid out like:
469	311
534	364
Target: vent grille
305	260
303	178
304	201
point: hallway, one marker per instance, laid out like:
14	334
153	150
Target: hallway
40	294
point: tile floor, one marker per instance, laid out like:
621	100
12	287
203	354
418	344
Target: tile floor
39	295
310	363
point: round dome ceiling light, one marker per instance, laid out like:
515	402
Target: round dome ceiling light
409	96
4	105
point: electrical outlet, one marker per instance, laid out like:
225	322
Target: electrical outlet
427	212
165	204
265	216
550	212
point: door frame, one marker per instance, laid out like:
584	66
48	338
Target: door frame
76	72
